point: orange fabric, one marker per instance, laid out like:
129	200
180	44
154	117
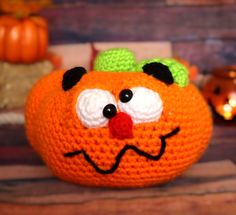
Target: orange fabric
53	129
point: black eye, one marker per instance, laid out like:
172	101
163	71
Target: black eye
109	111
126	95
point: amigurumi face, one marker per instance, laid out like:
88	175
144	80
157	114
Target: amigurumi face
118	129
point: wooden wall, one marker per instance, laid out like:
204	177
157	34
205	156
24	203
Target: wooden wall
202	31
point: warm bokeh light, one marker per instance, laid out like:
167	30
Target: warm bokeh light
232	99
228	115
227	108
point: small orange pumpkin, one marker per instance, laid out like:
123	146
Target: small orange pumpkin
23	40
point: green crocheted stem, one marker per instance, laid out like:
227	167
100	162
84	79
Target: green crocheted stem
123	60
178	71
115	60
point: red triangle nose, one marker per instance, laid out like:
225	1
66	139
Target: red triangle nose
121	126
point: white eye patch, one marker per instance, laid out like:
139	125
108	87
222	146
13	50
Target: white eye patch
144	106
89	107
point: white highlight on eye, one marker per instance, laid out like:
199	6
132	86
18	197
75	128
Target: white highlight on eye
145	105
89	107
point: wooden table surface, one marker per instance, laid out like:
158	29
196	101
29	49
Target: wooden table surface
28	187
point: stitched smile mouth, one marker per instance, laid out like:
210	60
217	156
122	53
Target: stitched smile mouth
123	151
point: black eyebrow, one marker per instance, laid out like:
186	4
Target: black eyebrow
159	71
72	77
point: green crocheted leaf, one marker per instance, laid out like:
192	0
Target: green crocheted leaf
123	60
115	60
178	71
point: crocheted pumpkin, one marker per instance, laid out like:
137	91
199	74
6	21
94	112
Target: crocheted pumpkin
126	124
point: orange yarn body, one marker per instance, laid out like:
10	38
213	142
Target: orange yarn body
54	129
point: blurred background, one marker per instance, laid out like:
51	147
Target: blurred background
200	31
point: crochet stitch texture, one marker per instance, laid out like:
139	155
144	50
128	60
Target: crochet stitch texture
145	153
